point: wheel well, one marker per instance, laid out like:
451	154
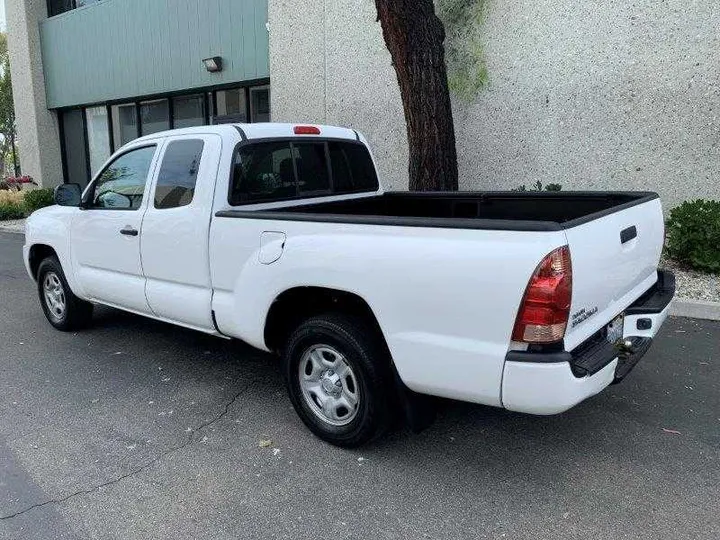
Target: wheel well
295	305
38	253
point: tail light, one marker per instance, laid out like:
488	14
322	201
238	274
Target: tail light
545	308
306	130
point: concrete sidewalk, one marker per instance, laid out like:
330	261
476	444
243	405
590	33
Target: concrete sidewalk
13	225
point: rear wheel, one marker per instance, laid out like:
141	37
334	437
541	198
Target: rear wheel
338	378
63	309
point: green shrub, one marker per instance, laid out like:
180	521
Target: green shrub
9	210
693	234
38	198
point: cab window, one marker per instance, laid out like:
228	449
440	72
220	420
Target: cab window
178	173
121	184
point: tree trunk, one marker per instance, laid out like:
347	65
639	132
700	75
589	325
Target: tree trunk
16	169
414	36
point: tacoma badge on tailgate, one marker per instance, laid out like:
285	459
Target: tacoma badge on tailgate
582	315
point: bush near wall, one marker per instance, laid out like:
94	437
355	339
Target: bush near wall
693	235
38	198
20	204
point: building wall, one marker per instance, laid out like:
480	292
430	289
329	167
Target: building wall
37	140
123	48
328	63
592	95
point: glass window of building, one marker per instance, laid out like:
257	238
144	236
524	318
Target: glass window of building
154	116
178	173
260	104
74	145
124	121
188	111
56	7
231	106
98	137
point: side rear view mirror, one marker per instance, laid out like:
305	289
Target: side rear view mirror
68	195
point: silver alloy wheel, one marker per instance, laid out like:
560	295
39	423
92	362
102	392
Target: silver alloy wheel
54	296
329	385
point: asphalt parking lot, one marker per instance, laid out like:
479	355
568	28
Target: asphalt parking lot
136	429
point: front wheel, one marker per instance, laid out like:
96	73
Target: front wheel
338	378
63	309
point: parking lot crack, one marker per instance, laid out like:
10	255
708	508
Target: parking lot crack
190	439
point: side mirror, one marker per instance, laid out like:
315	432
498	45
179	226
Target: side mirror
68	195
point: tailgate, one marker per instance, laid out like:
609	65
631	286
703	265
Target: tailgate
614	261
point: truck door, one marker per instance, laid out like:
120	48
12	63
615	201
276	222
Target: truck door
174	236
105	234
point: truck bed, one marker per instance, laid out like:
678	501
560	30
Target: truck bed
524	211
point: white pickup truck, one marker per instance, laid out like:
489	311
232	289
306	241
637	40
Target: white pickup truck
280	235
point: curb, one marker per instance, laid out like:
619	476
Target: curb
9	230
695	309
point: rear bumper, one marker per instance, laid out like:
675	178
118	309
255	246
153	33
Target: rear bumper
551	383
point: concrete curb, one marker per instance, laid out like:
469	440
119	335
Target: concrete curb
695	309
13	226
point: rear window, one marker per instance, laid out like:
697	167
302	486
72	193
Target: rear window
313	174
263	172
282	170
352	167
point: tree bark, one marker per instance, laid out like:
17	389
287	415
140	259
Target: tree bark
414	36
16	169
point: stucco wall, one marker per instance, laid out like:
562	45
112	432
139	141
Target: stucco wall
37	131
591	95
329	64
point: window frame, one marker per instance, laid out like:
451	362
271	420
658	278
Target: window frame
148	102
208	93
251	109
172	103
88	131
307	195
117	144
89	192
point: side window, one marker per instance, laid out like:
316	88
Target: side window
311	166
120	186
178	173
262	172
352	168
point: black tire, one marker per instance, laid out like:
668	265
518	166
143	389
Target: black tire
365	352
77	313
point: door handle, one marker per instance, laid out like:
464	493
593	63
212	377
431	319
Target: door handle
628	234
129	231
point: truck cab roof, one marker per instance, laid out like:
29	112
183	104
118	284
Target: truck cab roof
264	130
